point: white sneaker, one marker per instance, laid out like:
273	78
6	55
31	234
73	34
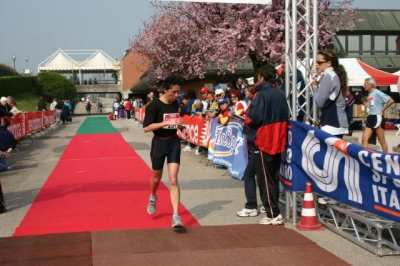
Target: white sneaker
187	148
271	221
247	213
262	209
326	200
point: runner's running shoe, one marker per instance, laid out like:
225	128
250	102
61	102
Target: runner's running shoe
176	221
151	207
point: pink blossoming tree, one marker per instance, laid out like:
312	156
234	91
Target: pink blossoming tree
188	39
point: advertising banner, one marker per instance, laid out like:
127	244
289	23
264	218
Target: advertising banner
228	147
49	118
17	126
33	121
199	130
362	178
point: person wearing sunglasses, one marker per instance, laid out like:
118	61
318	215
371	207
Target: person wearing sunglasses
239	106
329	93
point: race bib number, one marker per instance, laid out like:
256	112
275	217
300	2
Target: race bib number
168	117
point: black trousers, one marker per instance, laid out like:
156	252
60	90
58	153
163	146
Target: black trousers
267	171
2	202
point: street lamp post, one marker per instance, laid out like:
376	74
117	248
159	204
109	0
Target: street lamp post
27	70
14	58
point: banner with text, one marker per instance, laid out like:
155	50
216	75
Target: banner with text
228	147
365	179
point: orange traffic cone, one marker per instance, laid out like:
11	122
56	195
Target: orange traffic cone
308	221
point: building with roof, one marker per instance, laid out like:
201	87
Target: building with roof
375	40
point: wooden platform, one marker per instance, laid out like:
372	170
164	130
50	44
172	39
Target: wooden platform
206	245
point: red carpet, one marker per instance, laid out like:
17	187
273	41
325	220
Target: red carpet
100	183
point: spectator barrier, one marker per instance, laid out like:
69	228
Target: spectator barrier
226	145
366	179
31	122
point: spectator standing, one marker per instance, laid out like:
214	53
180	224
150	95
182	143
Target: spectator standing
41	106
68	111
14	110
53	105
378	102
4	111
7	144
59	109
100	106
162	118
250	187
121	109
212	102
88	107
224	113
239	106
249	92
267	121
204	99
115	109
329	90
128	107
349	99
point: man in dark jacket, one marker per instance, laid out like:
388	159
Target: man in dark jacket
41	104
7	143
267	119
4	111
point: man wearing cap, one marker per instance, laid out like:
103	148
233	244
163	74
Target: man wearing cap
223	117
3	108
204	99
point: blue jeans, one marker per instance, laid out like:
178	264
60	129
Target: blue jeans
250	184
3	164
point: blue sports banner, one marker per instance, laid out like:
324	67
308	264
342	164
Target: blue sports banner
362	178
228	146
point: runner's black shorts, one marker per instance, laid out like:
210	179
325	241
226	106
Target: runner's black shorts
162	148
373	121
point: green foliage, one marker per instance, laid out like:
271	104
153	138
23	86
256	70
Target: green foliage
26	101
53	85
12	85
6	71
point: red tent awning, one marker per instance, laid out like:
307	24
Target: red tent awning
382	78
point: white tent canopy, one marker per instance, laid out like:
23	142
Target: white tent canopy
65	61
358	71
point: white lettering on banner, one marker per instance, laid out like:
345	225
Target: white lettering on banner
34	124
326	177
381	194
228	140
15	129
375	160
222	161
193	132
286	168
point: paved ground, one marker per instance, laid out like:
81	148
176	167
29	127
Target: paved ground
213	198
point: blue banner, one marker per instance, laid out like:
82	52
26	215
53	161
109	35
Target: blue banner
228	147
362	178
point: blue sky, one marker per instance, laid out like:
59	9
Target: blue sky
36	29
